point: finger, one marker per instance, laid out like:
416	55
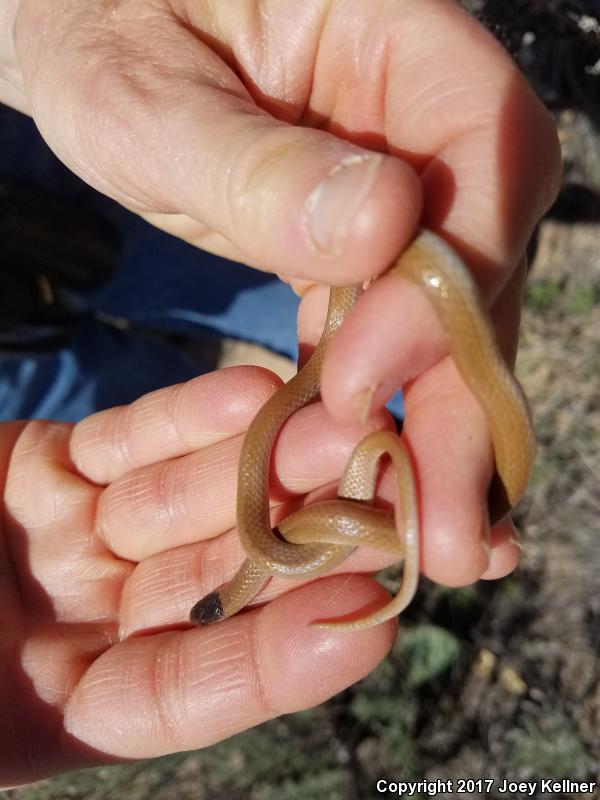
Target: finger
392	336
195	688
64	572
459	111
448	436
162	588
446	428
196	233
43	664
449	439
289	198
456	107
170	422
193	497
10	601
506	550
490	166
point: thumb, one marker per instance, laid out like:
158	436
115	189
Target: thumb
180	133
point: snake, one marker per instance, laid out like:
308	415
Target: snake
318	537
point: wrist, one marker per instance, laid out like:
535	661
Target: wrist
12	92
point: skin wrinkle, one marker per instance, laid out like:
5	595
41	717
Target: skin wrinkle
176	412
118	59
102	678
136	490
235	193
476	166
145	486
444	93
147	424
250	49
137	40
79	448
8	68
113	125
260	165
420	112
202	477
102	528
236	676
92	602
54	471
169	690
40	436
160	581
259	669
175	495
147	415
283	77
166	494
151	573
222	654
225	558
456	84
220	560
117	10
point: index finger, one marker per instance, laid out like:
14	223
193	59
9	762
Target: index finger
170	422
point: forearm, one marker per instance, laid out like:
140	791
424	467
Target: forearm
11	84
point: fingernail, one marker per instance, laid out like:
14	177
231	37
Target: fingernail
516	541
363	403
487	550
486	541
332	206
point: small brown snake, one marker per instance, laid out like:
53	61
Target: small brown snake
318	537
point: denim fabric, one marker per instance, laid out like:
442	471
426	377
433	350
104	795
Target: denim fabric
164	288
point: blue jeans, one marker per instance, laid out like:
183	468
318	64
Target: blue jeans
162	287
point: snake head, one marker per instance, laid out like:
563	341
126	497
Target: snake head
207	610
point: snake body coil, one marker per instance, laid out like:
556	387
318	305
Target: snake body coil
318	537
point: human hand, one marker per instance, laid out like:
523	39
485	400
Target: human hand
309	139
112	529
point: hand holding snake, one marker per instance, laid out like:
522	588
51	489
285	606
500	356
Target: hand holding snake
245	128
301	549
